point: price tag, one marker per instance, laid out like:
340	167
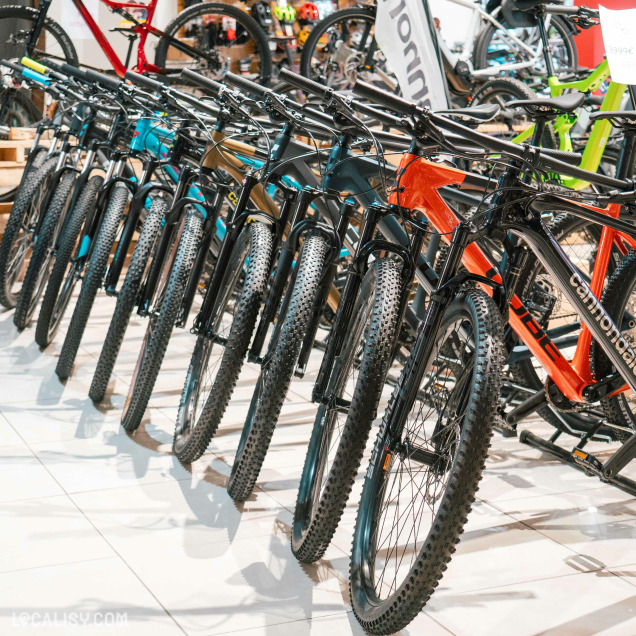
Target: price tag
619	28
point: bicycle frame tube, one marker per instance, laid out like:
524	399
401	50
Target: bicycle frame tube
422	179
142	30
602	129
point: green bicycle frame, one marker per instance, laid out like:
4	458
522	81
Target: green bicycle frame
601	130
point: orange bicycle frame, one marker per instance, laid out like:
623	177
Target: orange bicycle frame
419	182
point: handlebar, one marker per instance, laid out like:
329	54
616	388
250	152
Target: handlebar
247	86
305	84
538	156
73	71
106	81
324	92
144	82
205	82
388	100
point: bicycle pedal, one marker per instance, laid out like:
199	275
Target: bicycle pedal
299	373
590	464
504	428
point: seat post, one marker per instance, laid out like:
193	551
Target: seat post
547	56
625	163
539	127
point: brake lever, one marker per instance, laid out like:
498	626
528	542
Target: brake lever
586	18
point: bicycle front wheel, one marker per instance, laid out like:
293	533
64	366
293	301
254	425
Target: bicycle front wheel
341	430
93	279
163	318
39	265
337	48
218	355
493	48
18	237
66	270
276	374
425	470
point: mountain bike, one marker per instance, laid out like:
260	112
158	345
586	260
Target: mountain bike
198	37
342	47
434	436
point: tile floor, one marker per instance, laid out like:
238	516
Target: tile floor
99	526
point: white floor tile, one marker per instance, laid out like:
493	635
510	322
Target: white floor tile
49	531
81	598
579	605
22	476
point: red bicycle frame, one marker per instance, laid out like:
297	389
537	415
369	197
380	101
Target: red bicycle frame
418	190
142	30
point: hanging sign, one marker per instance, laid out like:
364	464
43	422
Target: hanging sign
405	36
619	28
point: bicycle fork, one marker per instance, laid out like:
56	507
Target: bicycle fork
411	379
330	369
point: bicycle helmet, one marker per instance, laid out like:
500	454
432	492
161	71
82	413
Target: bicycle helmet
262	14
517	16
285	13
308	13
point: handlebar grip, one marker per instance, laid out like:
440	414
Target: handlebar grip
145	82
560	9
52	65
34	66
205	82
106	81
196	102
247	85
571	158
73	71
12	65
389	101
27	73
307	85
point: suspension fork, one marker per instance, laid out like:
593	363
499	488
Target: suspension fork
281	277
209	231
205	318
142	191
172	218
346	211
409	383
276	282
96	213
353	281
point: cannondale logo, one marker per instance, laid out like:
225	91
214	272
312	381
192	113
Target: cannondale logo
611	330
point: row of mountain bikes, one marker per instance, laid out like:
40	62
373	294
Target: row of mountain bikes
449	280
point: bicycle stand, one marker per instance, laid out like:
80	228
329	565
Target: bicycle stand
578	457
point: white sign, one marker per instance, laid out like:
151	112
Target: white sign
619	37
404	35
73	23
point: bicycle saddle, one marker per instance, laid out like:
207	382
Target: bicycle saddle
620	118
550	107
481	113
